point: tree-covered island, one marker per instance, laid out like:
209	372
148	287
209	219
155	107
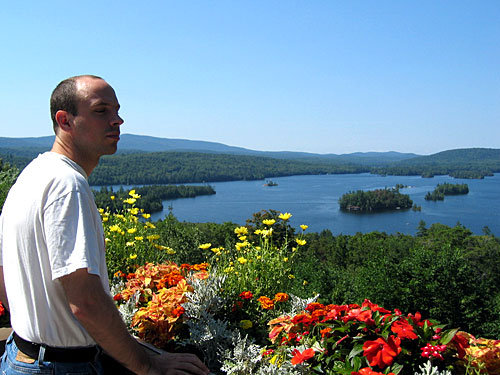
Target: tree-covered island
446	189
375	200
151	196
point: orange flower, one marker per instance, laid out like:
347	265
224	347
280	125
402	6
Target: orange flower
266	303
325	332
200	267
119	274
283	323
317	315
281	297
202	275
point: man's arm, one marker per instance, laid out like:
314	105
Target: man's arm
96	311
3	293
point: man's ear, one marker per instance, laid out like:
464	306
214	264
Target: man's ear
63	119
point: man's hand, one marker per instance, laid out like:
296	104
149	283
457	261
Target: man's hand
177	363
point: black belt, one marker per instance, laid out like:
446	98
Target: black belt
87	354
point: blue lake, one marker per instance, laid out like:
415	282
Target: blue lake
313	200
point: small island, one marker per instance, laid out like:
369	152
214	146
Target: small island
270	183
446	189
375	200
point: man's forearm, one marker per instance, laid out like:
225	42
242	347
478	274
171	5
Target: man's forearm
95	310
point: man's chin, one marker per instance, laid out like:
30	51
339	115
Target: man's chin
111	149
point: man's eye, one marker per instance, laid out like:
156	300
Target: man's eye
100	110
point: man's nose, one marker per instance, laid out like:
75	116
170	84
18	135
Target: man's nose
117	120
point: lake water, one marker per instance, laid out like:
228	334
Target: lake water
313	200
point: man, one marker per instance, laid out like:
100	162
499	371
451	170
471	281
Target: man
52	247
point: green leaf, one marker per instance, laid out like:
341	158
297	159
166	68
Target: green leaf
356	363
395	368
357	349
448	336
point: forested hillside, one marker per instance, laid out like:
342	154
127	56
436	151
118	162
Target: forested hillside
181	167
184	161
460	163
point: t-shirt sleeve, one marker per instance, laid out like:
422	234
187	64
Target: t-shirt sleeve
72	241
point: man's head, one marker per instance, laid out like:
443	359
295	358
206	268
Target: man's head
65	97
84	110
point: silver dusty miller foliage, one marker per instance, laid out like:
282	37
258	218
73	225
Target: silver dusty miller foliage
219	343
127	309
428	369
206	332
245	357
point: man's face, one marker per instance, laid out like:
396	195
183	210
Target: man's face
96	129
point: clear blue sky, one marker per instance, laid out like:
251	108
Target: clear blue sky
318	76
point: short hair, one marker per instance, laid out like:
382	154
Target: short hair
65	97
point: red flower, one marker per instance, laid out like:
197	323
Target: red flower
359	315
435	351
2	309
368	371
117	297
246	295
403	329
299	357
303	318
178	311
314	306
237	305
417	319
381	353
268	352
374	307
460	343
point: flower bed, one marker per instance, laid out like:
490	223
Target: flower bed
235	311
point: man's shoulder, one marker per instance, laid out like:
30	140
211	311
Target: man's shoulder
51	165
52	173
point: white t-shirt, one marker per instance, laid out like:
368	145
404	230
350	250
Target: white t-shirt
49	228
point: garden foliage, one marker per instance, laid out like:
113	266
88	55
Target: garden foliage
263	299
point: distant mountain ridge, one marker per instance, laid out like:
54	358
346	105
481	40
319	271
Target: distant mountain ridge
142	143
163	160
